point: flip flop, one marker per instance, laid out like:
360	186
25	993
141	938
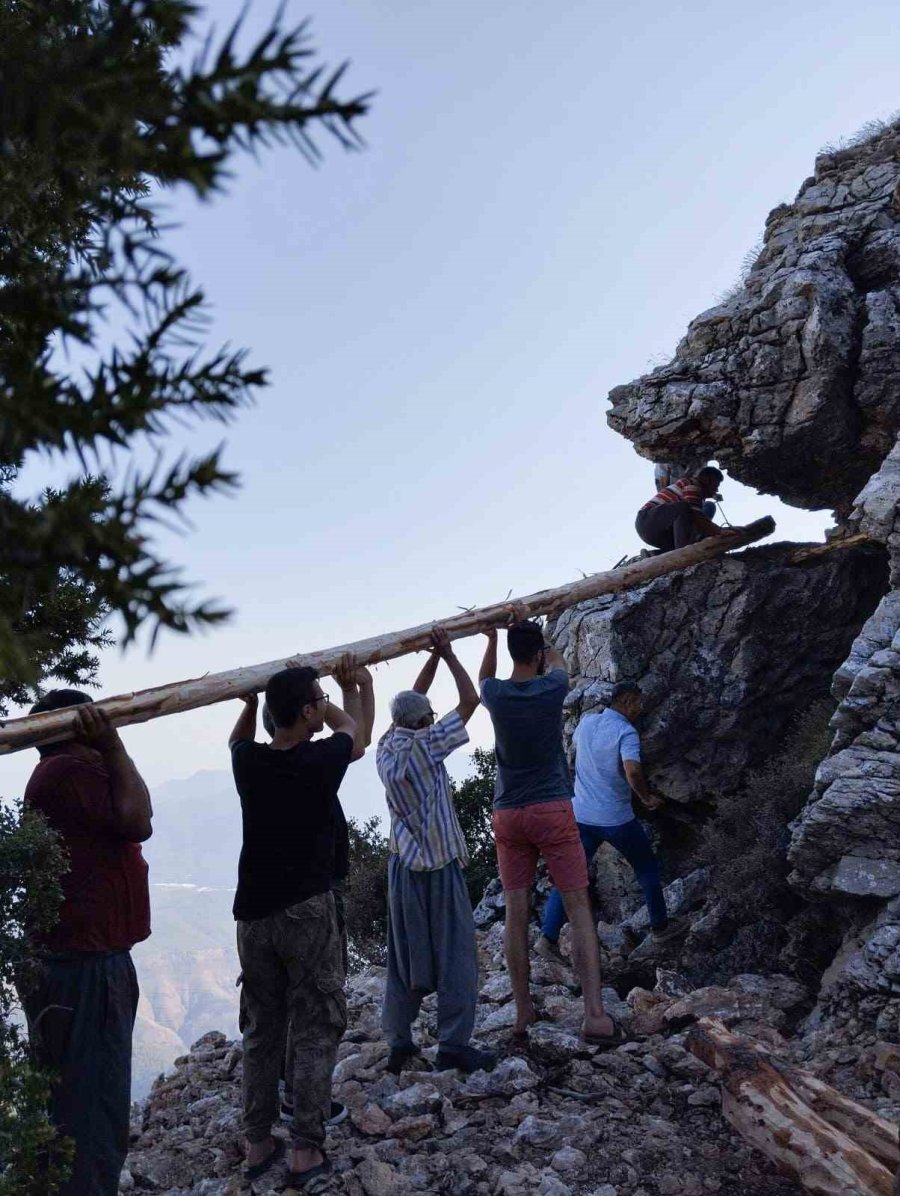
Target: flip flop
606	1041
298	1179
258	1169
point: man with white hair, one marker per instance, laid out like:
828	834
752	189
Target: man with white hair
431	935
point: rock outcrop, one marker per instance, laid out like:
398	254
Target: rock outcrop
720	684
793	383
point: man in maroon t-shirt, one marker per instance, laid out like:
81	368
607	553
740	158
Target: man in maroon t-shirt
82	1006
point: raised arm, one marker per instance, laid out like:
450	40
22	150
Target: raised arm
245	727
427	675
554	659
367	701
130	799
468	695
345	675
489	660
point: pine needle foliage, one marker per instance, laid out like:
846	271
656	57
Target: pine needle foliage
102	332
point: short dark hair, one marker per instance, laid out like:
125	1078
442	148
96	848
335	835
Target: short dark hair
710	471
58	699
524	641
623	689
288	692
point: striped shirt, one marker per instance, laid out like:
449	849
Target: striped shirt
425	832
684	490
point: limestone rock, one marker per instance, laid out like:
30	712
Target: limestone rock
718	686
792	384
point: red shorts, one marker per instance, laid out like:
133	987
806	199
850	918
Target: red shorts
547	828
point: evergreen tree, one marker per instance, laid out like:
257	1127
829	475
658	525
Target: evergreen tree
102	347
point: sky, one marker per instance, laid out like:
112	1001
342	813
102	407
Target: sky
548	194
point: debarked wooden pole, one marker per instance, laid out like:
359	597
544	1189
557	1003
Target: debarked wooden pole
146	704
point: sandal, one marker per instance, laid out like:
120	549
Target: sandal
258	1169
606	1041
298	1179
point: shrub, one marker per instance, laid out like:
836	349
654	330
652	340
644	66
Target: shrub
31	860
745	846
474	798
366	900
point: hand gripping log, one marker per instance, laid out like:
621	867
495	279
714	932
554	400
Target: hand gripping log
146	704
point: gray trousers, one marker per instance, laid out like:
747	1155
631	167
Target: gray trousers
81	1013
431	948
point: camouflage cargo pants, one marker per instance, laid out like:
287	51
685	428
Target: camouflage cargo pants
338	890
292	969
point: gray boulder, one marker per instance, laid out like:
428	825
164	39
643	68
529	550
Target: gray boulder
726	653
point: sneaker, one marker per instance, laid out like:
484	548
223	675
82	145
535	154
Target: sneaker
675	928
465	1059
550	951
338	1113
399	1056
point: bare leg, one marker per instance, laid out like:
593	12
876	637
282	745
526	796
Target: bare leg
586	957
515	942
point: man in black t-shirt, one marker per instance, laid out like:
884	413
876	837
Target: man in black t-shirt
288	938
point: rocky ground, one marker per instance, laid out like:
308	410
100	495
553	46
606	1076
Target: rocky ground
557	1118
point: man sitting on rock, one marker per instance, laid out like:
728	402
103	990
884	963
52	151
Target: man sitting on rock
675	516
431	934
82	1003
288	938
608	772
533	817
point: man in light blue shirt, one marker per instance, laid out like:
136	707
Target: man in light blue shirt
608	773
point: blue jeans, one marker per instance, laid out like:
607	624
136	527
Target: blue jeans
631	841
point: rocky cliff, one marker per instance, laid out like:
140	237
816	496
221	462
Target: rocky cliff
793	385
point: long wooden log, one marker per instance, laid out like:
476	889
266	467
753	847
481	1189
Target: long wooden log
764	1107
146	704
811	553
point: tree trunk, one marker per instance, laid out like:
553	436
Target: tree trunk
821	1147
140	707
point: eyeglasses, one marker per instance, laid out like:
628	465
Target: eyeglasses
321	698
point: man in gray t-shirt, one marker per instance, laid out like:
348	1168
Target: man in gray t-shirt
533	816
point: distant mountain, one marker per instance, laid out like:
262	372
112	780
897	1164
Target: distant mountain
188	966
196	831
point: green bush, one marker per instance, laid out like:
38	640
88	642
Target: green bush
32	1158
474	798
366	900
745	846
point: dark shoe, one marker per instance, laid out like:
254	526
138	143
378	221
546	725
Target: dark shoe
465	1059
298	1179
337	1115
399	1056
258	1169
673	929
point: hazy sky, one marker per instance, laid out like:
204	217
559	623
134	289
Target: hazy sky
549	193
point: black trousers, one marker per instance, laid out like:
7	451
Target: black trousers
667	526
81	1015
